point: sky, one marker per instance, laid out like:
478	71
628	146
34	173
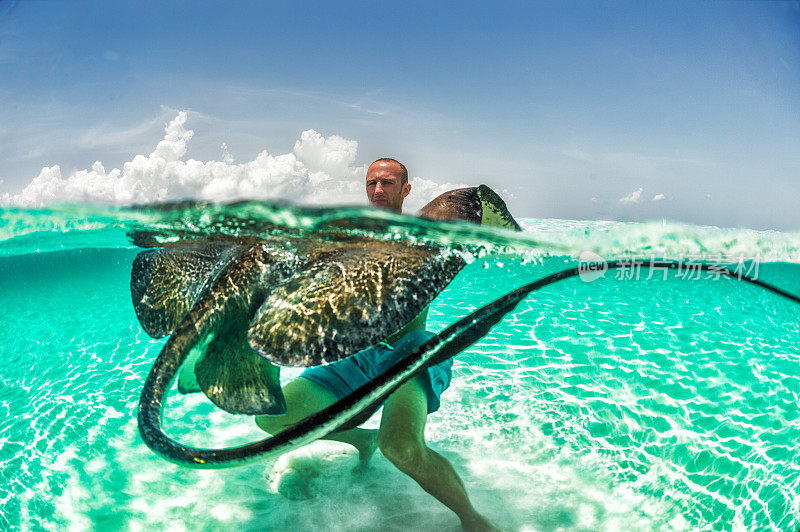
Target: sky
685	111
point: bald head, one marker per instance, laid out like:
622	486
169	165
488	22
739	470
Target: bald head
388	161
387	184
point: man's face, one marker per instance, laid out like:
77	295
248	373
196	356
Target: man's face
385	188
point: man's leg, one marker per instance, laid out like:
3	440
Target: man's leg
305	397
401	439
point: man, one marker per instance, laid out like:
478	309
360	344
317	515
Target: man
401	436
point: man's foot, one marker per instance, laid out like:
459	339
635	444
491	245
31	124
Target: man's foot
478	523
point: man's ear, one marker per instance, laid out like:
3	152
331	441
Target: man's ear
406	189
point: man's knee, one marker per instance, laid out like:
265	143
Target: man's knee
405	453
270	424
303	398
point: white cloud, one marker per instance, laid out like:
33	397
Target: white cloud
333	156
658	197
633	197
319	170
227	158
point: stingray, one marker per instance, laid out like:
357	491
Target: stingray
237	309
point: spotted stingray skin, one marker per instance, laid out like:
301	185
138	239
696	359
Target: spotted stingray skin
347	300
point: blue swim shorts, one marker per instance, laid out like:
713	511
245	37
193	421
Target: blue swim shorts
343	377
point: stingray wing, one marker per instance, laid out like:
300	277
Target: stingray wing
494	211
480	205
165	283
348	299
237	380
458	204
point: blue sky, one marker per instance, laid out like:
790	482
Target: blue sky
568	107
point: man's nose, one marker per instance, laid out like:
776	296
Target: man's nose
378	188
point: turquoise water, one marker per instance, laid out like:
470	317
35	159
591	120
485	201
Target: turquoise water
617	404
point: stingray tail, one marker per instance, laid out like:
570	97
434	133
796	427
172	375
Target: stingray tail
154	393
